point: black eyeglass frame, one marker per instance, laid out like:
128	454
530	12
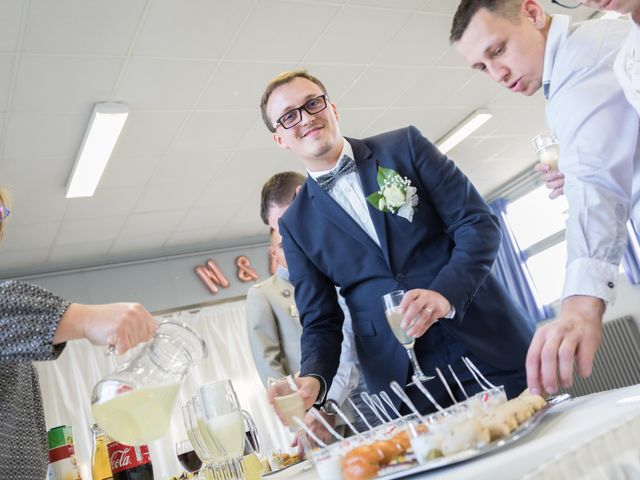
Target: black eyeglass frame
560	4
325	99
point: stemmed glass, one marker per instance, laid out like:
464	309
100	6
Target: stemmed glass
547	149
394	316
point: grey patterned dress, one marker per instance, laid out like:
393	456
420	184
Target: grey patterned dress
29	317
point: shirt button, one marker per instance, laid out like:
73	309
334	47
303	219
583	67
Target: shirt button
610	285
400	276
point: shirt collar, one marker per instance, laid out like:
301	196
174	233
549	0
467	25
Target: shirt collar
346	150
283	272
558	32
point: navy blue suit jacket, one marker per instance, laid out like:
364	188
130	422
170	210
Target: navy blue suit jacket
449	247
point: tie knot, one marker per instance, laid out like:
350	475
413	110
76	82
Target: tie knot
328	180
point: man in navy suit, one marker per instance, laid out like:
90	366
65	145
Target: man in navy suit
440	251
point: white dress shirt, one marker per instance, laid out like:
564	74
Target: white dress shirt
598	134
627	67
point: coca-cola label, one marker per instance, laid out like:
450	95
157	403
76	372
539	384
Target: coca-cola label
124	457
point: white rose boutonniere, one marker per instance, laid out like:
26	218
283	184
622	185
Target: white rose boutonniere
396	194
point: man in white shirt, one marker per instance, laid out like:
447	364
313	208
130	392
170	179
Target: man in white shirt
523	49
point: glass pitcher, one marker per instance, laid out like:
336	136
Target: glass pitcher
133	405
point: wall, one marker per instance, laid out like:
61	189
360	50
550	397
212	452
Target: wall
160	284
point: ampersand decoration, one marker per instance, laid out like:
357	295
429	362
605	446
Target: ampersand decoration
245	272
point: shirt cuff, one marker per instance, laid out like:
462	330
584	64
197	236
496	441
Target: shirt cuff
452	313
323	389
588	276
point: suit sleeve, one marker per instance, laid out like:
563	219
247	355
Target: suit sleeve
320	313
467	219
264	338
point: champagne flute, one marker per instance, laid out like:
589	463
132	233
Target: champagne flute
394	316
547	149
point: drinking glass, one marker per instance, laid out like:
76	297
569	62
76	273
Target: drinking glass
394	316
547	149
187	456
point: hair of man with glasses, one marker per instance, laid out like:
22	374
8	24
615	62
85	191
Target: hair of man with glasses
283	79
468	8
5	202
279	191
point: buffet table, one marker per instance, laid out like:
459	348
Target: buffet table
591	437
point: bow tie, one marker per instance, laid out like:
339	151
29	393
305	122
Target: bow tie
328	180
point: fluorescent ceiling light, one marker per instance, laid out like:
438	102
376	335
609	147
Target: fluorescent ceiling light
101	136
463	130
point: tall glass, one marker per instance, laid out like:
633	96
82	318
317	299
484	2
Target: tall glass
547	149
187	456
392	301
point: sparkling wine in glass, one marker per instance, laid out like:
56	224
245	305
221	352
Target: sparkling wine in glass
547	149
187	456
394	316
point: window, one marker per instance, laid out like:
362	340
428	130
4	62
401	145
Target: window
538	225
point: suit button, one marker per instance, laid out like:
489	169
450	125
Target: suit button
399	276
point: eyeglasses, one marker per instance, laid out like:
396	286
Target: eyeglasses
570	5
294	117
4	212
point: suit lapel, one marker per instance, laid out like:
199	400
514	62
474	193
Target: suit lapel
335	213
368	173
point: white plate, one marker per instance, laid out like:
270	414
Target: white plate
526	427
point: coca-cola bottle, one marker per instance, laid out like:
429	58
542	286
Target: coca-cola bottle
130	463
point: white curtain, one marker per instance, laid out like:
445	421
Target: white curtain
66	385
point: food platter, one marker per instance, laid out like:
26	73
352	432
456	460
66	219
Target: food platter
411	467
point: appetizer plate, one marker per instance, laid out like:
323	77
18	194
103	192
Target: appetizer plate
410	468
298	464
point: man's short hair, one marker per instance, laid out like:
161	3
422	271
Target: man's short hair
5	201
283	79
279	191
468	8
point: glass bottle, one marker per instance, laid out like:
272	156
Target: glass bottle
100	467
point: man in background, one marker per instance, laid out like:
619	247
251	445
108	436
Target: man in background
523	49
273	322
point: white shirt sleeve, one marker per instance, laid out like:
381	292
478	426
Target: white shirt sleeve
347	376
598	131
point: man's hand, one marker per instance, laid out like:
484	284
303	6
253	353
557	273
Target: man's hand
308	389
422	308
575	334
123	325
553	179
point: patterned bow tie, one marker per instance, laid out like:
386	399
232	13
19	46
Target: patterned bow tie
328	180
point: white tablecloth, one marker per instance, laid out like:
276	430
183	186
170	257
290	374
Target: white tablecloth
593	437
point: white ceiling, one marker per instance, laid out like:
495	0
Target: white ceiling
187	171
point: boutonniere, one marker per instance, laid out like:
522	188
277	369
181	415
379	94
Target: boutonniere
396	194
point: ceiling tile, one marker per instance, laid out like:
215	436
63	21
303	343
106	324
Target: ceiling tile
258	136
355	121
71	26
106	202
17	262
36	203
337	79
29	237
211	131
159	84
478	92
148	132
152	223
129	170
421	41
433	123
386	4
240	84
77	232
442	6
281	31
375	28
189	167
6	71
45	134
434	87
208	219
195	29
170	195
380	86
138	245
63	84
79	254
10	21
